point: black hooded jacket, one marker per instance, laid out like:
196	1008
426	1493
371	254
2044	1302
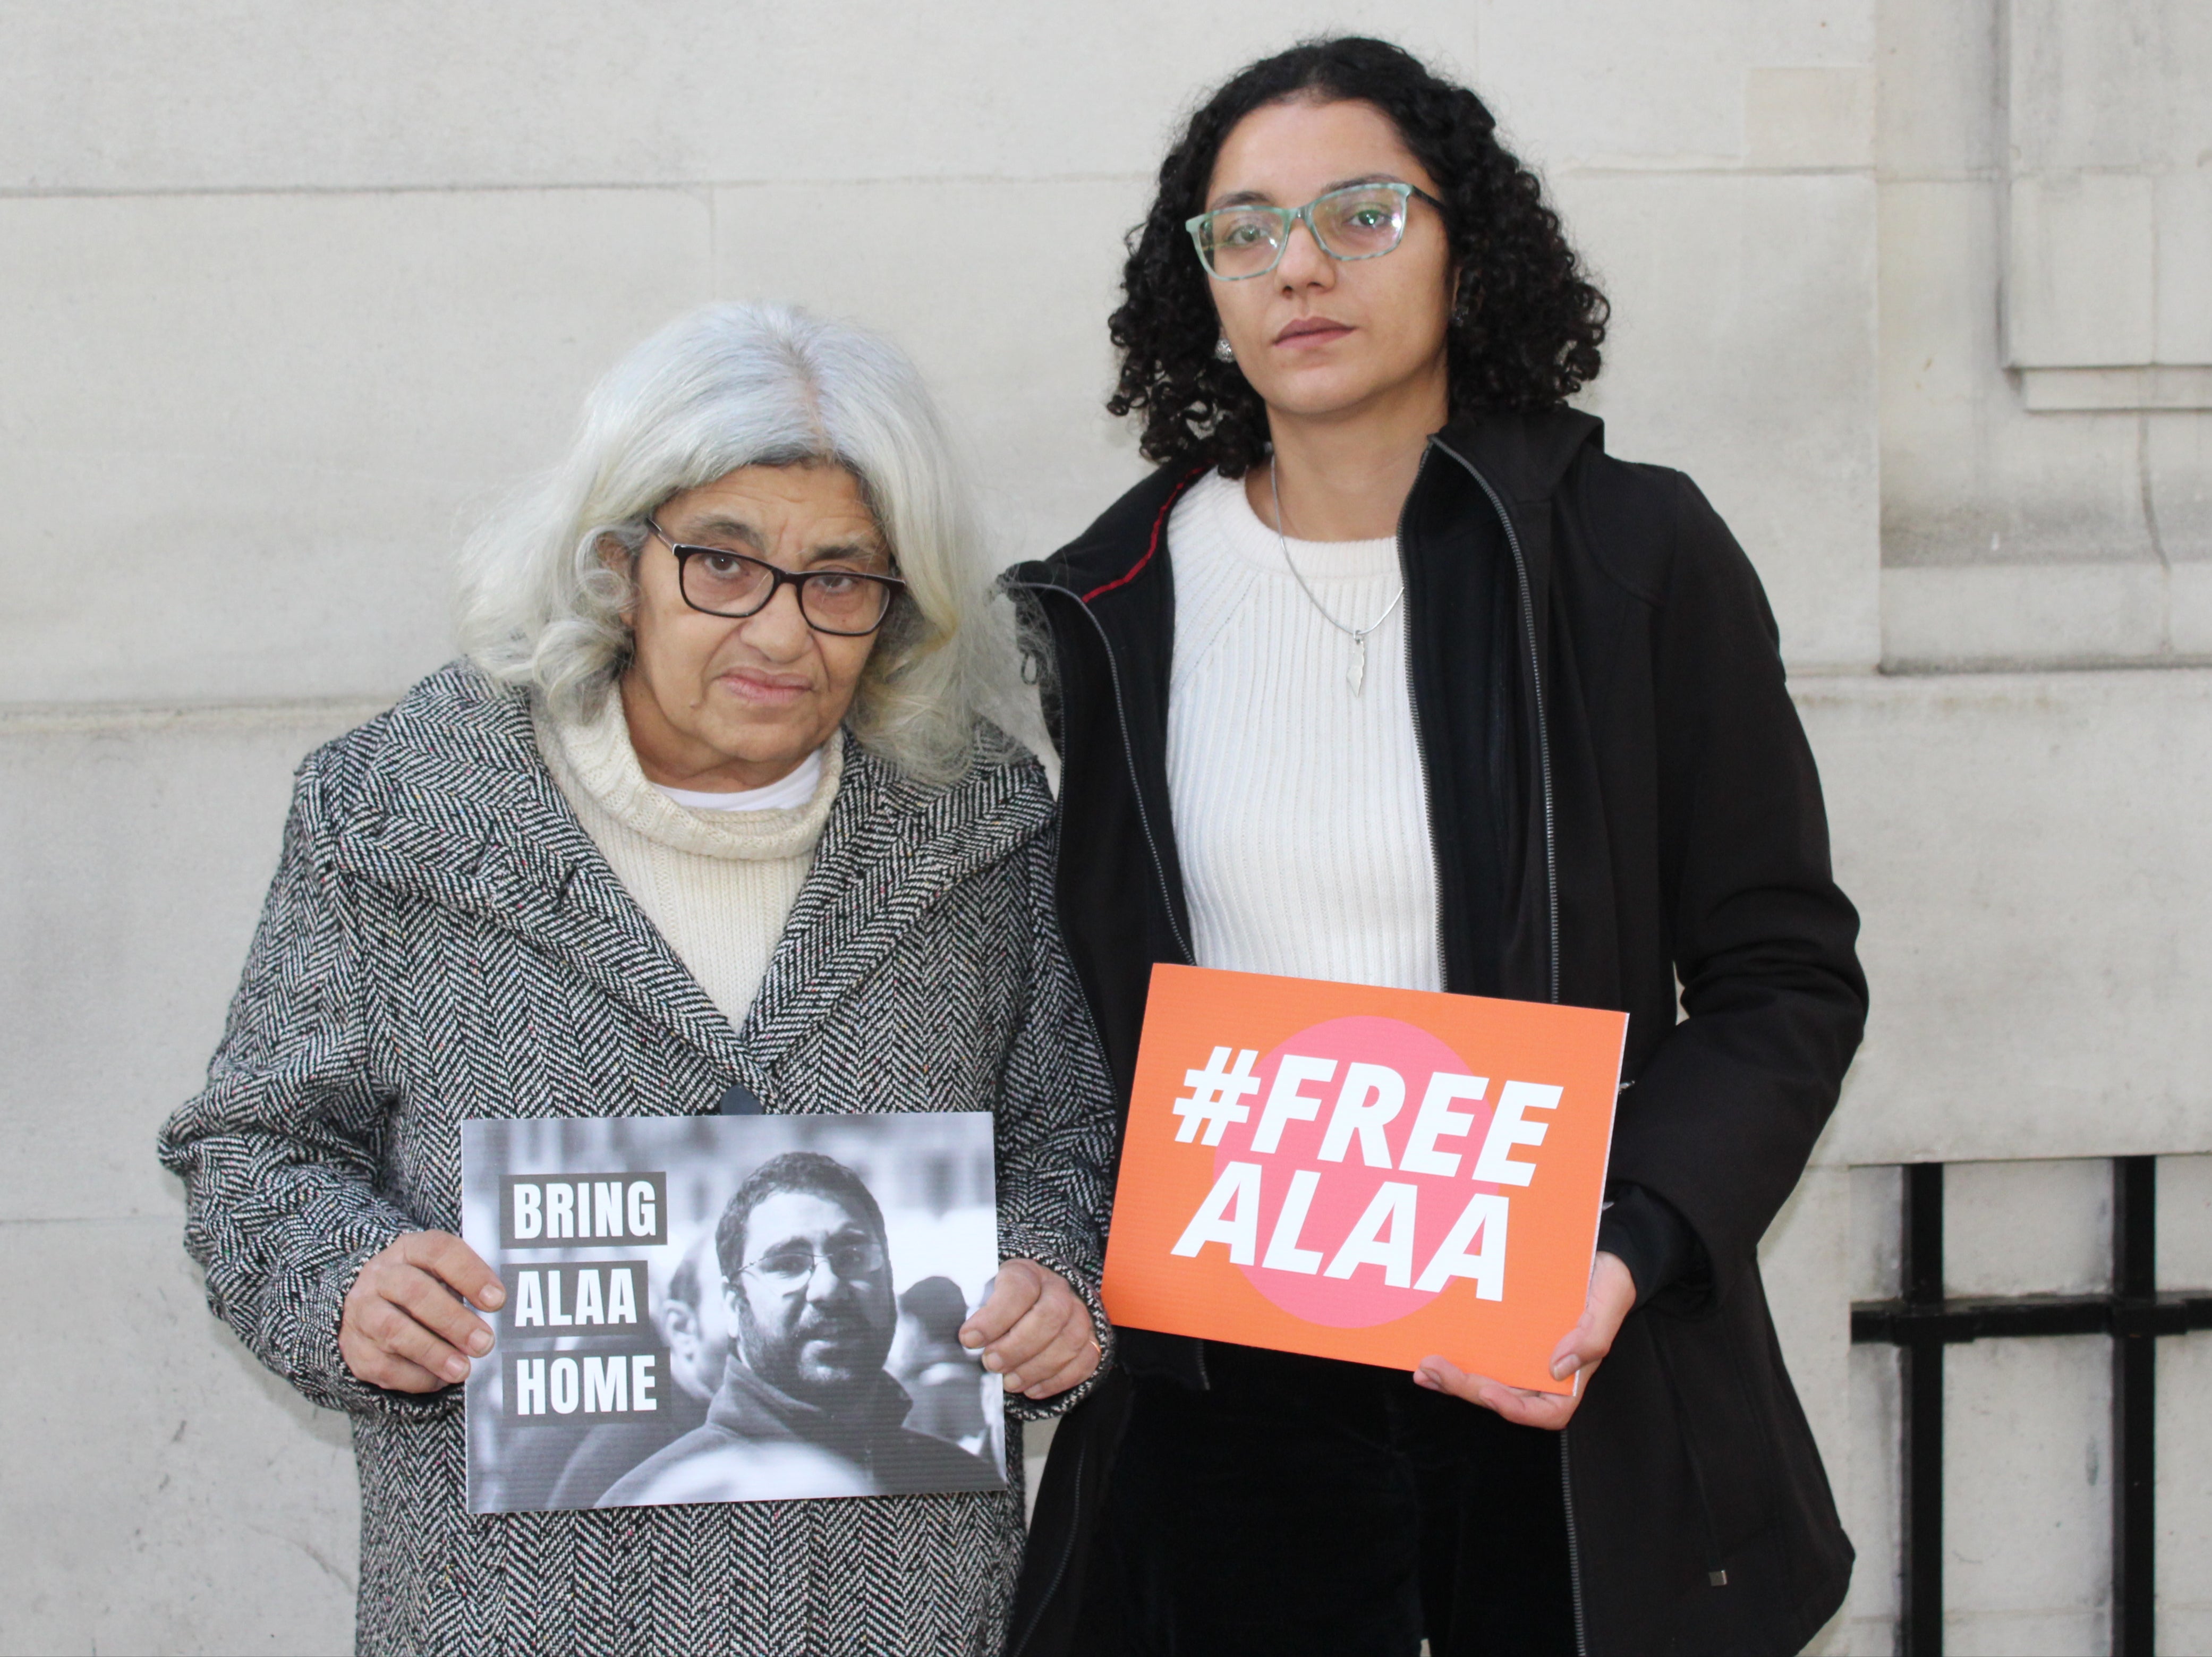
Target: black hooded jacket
1621	797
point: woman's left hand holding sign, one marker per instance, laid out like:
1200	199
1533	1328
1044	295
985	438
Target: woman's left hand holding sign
1034	1332
407	1325
1611	1298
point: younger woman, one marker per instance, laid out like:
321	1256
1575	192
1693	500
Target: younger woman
1391	675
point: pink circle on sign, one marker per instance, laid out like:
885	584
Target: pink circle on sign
1343	1190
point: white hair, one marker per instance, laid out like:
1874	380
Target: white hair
730	385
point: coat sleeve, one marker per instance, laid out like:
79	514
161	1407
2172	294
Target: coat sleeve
278	1152
1723	1119
1055	1127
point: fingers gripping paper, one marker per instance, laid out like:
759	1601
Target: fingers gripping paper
1364	1174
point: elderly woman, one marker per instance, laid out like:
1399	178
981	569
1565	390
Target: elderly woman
712	818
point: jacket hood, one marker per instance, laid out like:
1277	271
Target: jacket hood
1525	455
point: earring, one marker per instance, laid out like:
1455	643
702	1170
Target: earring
1222	350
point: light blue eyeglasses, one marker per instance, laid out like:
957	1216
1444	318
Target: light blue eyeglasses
1359	221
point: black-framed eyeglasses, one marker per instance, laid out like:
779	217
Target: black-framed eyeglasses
1359	221
790	1265
719	582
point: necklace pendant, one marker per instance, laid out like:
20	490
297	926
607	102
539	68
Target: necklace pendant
1358	677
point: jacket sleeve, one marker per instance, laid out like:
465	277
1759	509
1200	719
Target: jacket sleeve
1651	1240
1055	1128
1721	1121
278	1152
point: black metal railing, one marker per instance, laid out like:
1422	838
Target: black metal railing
1922	1322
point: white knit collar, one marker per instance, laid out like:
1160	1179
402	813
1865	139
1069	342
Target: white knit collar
593	756
1249	538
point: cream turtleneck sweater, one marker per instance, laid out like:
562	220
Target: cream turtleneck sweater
719	884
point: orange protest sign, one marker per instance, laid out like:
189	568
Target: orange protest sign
1365	1174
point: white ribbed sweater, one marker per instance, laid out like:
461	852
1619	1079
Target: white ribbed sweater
1299	808
718	884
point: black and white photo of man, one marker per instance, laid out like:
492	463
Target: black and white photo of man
694	1324
805	1407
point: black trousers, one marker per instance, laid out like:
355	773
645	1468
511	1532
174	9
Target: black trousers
1306	1506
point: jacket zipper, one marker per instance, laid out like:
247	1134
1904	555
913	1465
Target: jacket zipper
1129	758
1420	738
1082	991
1145	821
1716	1568
1098	1040
1574	1548
1160	874
1552	900
1059	1569
1536	681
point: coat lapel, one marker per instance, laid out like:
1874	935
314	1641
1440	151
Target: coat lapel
458	809
891	850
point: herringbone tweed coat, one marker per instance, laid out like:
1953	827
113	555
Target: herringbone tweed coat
443	941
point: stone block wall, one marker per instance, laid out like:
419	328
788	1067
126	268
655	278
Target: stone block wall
293	295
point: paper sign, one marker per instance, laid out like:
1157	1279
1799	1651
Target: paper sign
731	1308
1365	1174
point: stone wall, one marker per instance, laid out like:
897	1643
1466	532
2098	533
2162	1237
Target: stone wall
293	294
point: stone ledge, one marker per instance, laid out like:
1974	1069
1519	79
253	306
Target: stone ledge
2156	386
2038	617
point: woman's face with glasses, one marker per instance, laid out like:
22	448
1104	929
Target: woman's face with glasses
719	701
1323	333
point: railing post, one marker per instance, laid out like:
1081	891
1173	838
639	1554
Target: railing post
2135	1405
1921	1360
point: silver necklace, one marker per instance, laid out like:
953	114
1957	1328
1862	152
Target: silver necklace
1356	678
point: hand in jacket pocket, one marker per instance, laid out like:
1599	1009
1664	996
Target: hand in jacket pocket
405	1326
1612	1296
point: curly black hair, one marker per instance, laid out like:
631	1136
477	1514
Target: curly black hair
1526	338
